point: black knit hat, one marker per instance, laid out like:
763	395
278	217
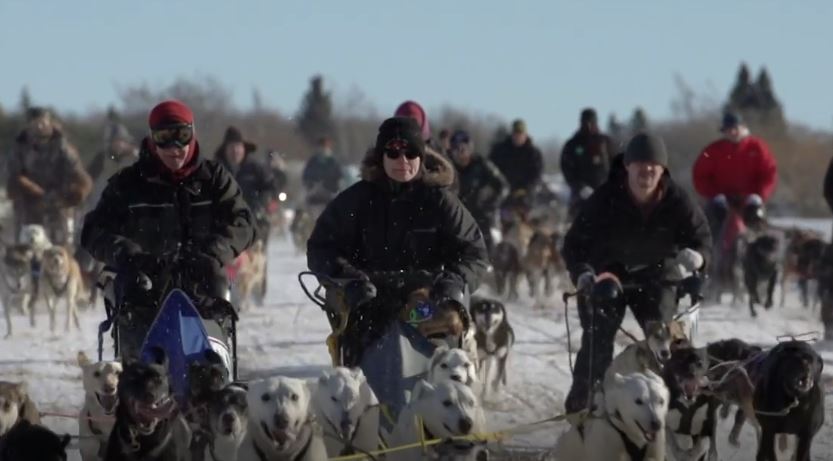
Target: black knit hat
588	115
404	129
646	148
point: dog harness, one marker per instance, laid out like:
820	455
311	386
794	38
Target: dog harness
687	418
348	444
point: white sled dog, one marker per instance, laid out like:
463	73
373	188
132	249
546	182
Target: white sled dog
281	423
347	411
97	417
632	427
445	409
454	364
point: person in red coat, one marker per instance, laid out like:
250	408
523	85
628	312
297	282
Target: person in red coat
732	171
733	174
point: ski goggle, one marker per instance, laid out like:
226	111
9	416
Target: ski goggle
422	312
173	135
396	147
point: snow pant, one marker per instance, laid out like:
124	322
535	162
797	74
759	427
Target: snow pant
599	326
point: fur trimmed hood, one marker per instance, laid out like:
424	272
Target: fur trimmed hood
435	171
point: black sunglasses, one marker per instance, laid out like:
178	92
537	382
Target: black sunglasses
396	147
174	135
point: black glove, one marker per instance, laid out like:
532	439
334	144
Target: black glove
359	292
693	287
131	258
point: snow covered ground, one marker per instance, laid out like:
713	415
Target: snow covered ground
286	337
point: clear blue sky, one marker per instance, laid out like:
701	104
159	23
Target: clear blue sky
542	60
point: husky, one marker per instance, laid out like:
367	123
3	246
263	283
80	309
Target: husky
16	286
348	412
649	354
692	414
454	364
251	275
61	281
148	427
30	442
97	416
35	237
228	421
632	427
281	423
495	339
436	411
16	406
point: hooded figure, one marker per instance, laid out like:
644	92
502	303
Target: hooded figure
173	217
399	217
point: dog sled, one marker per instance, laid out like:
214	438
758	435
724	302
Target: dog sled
179	328
394	361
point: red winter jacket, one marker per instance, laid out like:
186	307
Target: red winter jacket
735	169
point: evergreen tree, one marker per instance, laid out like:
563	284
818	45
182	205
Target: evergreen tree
25	100
315	118
639	121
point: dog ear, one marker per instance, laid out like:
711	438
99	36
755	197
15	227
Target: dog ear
20	391
358	374
438	353
213	357
422	390
83	360
65	441
158	356
325	375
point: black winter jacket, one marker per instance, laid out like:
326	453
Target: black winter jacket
377	225
143	207
256	181
482	186
585	160
522	166
610	231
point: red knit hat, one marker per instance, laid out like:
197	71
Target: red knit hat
415	111
169	113
173	112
